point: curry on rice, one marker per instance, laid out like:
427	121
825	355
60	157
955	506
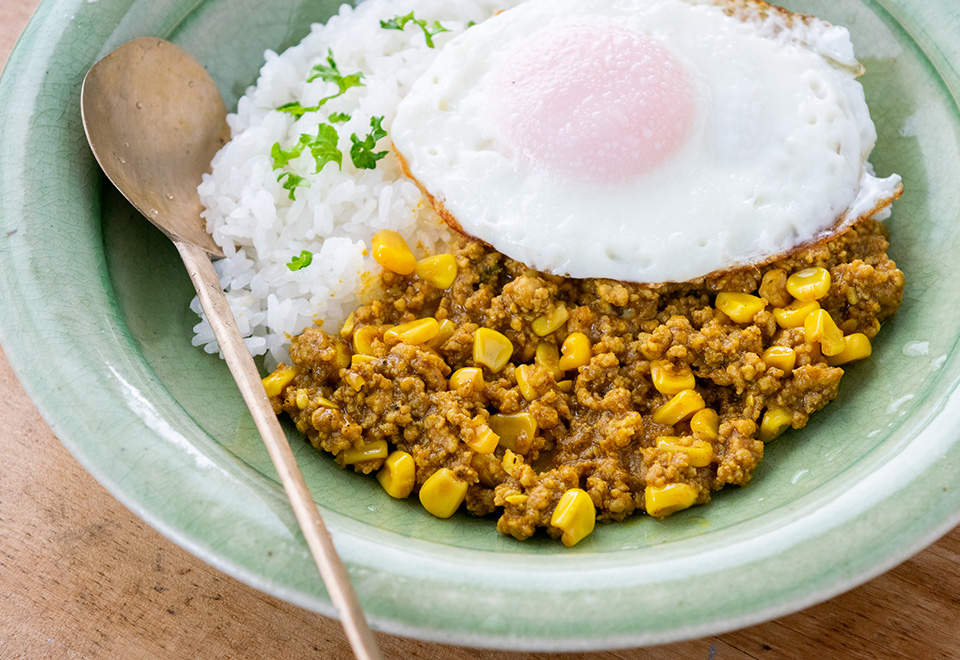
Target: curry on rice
557	402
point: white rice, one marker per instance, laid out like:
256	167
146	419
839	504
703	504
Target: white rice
250	214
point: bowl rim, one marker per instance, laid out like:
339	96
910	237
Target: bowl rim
55	372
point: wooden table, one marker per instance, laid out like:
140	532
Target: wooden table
82	577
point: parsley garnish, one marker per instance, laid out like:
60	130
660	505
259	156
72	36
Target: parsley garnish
296	109
293	181
323	146
339	118
362	152
281	157
331	74
304	260
328	73
399	22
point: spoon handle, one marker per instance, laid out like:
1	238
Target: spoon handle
241	365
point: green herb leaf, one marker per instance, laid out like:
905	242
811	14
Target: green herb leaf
291	182
330	73
281	157
339	117
301	262
432	31
399	22
323	147
294	108
362	152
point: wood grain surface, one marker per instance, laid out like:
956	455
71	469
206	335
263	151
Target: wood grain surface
82	577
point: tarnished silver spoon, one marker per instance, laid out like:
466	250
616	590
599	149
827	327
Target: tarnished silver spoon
154	119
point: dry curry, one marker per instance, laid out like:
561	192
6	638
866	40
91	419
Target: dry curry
477	382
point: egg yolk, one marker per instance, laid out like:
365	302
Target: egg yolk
594	102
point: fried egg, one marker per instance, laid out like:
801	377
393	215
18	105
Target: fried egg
644	140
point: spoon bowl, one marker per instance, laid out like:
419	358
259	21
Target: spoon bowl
155	133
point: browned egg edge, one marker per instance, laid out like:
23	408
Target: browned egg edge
826	235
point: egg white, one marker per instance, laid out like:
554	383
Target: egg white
777	154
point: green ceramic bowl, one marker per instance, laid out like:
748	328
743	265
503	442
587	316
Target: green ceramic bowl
94	318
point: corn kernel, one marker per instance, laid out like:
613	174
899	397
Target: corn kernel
575	352
343	355
515	431
443	493
355	380
664	500
775	421
565	386
415	332
470	377
517	500
705	424
358	358
522	374
364	337
548	357
303	399
510	462
280	378
681	406
794	314
447	328
369	451
348	325
669	380
740	307
820	327
491	349
544	325
324	402
398	474
855	347
484	441
575	515
809	284
849	326
699	454
392	252
783	358
439	270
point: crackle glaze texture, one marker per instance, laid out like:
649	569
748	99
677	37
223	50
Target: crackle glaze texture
94	318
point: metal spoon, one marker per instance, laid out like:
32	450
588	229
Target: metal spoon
154	119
